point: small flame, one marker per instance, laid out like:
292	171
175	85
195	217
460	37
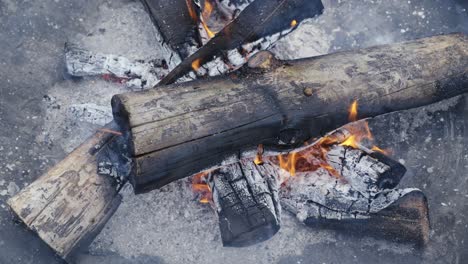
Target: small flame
353	111
350	142
288	162
259	157
207	10
210	33
200	186
196	64
383	151
294	23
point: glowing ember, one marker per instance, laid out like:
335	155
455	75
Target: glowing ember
294	23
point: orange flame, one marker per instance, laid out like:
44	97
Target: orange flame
259	158
207	10
288	162
200	186
210	33
294	23
353	111
196	64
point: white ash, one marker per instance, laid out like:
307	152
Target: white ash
139	74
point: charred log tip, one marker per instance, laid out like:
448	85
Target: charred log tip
250	236
406	220
392	177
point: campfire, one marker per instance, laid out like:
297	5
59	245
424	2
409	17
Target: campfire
258	136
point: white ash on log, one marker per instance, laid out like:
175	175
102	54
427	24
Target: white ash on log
139	74
368	173
187	128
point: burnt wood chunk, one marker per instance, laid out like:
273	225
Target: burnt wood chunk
404	220
69	205
177	22
368	173
182	129
247	204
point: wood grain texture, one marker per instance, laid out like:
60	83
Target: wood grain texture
69	204
178	130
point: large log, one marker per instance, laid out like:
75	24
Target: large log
181	129
69	205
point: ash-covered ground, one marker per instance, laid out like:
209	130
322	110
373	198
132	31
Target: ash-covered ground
44	114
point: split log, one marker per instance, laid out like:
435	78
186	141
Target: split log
69	205
247	204
186	128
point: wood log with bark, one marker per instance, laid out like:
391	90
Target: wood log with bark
69	205
182	129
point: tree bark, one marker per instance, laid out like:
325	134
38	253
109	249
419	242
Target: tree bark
181	129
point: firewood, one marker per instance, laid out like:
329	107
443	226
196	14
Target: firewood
181	129
176	23
69	205
247	204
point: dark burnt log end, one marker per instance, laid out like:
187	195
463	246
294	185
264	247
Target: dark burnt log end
247	204
181	129
368	173
174	21
405	220
391	178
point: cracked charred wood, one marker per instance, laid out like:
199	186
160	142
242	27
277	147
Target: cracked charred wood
368	173
178	130
323	200
69	205
247	204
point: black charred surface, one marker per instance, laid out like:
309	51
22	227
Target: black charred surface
406	220
391	178
173	20
247	210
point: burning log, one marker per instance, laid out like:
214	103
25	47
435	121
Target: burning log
182	129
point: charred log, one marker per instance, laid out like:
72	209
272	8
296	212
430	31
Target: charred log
177	21
247	204
404	220
183	129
